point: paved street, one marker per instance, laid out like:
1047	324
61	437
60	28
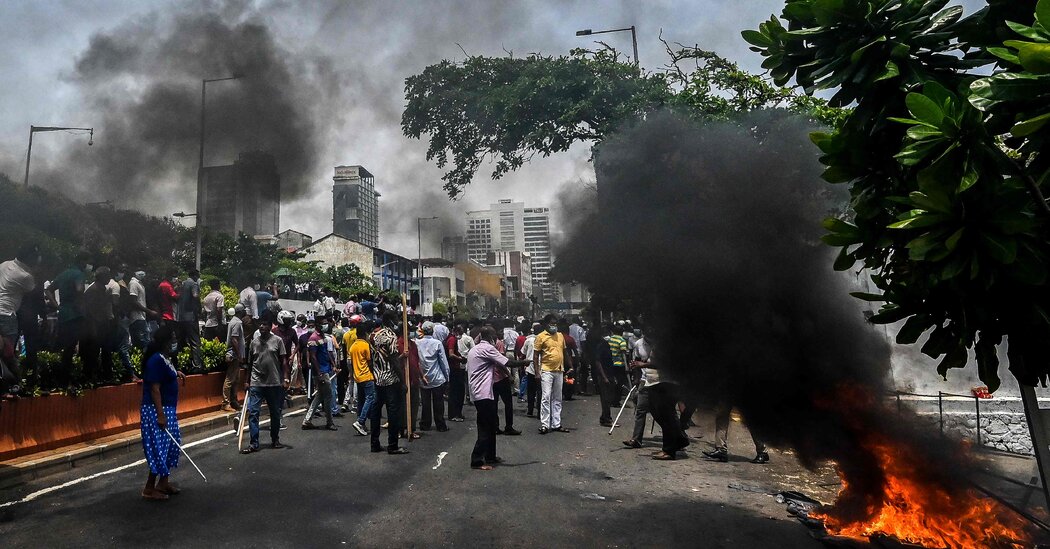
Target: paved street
329	491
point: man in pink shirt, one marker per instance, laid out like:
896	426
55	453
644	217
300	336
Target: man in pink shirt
483	363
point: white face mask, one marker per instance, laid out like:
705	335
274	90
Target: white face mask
89	267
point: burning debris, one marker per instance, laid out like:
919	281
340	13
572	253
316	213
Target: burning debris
715	230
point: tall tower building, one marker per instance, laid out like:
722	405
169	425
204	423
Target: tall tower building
355	205
243	197
510	226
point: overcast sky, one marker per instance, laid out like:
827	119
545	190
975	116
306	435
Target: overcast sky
365	50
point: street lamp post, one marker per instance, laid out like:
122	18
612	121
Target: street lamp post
634	38
35	129
419	253
200	165
183	215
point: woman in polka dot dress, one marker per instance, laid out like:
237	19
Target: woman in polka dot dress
160	395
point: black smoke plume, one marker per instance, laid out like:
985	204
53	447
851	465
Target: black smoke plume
713	233
141	83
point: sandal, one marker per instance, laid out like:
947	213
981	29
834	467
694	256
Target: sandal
632	443
663	456
154	495
562	429
171	490
485	467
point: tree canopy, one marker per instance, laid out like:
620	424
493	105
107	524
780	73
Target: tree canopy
942	156
507	109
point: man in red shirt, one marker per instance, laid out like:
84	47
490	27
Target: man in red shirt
168	297
457	383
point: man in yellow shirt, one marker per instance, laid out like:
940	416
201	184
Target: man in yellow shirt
360	357
549	359
348	339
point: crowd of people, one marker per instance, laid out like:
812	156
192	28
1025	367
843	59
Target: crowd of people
349	359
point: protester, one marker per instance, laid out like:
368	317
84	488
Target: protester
213	304
415	375
285	330
321	360
583	365
351	395
435	367
268	381
263	299
158	416
69	287
360	361
604	377
619	351
139	312
483	362
189	309
641	360
236	358
572	354
457	381
250	301
389	388
16	280
663	395
99	336
168	297
550	360
532	380
123	334
721	452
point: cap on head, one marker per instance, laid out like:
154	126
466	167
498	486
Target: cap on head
428	328
231	311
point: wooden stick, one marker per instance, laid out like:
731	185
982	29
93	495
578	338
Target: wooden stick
240	424
408	369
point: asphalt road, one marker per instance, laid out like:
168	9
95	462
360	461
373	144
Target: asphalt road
578	489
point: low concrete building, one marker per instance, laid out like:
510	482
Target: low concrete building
292	240
334	250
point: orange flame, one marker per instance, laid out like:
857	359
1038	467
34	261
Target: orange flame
932	516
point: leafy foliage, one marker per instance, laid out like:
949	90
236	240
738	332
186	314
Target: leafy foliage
346	280
507	109
943	162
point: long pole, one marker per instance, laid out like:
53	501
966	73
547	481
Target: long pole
634	42
408	369
29	154
200	181
419	259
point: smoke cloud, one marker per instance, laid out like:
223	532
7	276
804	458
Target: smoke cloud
713	230
143	81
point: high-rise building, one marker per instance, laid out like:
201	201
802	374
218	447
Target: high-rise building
243	197
510	226
454	249
355	205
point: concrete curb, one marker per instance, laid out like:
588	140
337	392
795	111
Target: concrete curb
18	471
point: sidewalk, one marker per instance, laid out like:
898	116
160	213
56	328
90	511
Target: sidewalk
20	470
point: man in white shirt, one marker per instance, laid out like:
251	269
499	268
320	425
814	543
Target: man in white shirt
577	332
16	281
138	313
250	301
213	304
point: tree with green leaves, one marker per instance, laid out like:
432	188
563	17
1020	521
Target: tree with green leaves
347	280
508	109
942	154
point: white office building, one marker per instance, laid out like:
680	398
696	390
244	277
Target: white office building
509	226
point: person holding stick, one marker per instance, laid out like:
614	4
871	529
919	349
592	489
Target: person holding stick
268	381
160	397
483	363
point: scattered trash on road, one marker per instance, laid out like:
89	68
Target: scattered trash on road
441	456
595	497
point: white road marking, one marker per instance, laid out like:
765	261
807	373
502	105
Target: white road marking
441	456
74	482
